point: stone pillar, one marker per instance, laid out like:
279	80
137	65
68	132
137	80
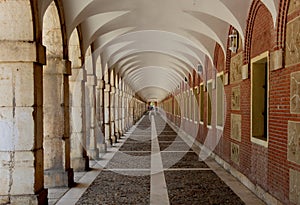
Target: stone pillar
100	116
120	113
112	114
107	125
129	104
126	111
79	158
117	134
58	171
21	122
91	107
123	113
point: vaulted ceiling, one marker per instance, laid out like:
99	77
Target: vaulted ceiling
154	44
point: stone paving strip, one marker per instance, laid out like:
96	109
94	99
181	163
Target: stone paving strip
159	192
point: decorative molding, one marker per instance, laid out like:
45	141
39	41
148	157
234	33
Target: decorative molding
245	73
276	60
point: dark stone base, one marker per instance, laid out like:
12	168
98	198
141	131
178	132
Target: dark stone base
40	198
80	164
59	178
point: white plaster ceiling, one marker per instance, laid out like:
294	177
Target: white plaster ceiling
154	44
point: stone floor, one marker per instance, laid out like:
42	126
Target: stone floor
152	165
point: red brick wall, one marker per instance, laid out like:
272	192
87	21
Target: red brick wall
266	167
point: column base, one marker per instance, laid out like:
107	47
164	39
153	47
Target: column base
124	130
117	134
39	198
80	164
94	154
102	148
108	143
114	139
59	178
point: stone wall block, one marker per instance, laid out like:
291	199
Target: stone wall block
18	12
295	93
276	60
236	126
294	142
76	119
294	194
23	180
24	134
5	178
235	153
16	81
235	98
292	47
236	68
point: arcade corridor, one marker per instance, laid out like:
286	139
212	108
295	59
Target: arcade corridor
93	94
156	166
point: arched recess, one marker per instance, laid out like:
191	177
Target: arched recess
219	59
263	35
114	135
56	103
260	41
79	158
100	128
90	104
21	94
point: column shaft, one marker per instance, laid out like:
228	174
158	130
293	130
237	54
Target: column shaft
56	124
79	158
21	127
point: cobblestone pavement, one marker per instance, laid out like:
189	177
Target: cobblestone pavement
129	177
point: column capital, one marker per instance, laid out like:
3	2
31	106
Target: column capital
101	84
107	87
22	51
112	89
78	74
117	91
91	80
67	67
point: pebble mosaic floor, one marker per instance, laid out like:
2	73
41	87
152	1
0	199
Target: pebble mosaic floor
127	178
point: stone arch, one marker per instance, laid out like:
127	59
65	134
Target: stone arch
219	58
56	103
90	104
79	158
258	10
281	23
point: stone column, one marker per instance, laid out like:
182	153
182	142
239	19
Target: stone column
79	158
121	128
117	134
91	114
129	105
56	123
131	111
112	114
126	110
100	116
107	125
124	126
21	123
